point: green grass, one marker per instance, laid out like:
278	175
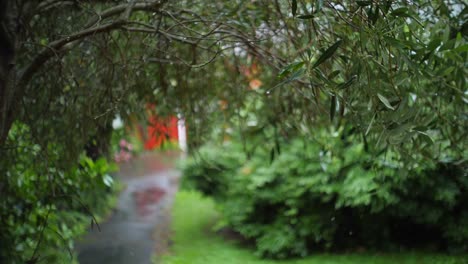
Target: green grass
196	243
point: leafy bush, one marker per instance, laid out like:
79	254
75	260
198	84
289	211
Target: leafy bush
328	192
47	207
195	242
210	169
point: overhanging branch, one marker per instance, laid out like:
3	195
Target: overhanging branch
60	45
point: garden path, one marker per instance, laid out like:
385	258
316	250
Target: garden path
139	226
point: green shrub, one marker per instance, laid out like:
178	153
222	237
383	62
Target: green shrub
210	169
195	242
328	192
47	207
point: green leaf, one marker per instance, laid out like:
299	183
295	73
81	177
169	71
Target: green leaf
385	101
426	137
277	145
348	83
373	14
404	12
433	44
332	107
294	7
370	125
401	12
318	5
44	42
293	67
328	53
333	74
397	43
342	107
462	48
444	9
296	75
363	3
306	16
108	181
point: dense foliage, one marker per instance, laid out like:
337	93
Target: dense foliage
328	192
196	242
364	131
45	208
67	68
390	75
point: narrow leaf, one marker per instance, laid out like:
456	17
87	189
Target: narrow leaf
385	101
293	67
426	137
401	12
366	145
318	5
462	48
333	74
296	75
294	7
332	107
348	83
342	108
433	44
373	15
328	53
370	125
306	16
363	3
404	12
278	148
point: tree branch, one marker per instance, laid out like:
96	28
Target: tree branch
49	4
56	46
116	10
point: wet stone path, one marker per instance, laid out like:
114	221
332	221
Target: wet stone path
139	227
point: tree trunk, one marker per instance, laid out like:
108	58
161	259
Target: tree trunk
8	42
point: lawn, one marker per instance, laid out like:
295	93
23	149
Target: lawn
196	243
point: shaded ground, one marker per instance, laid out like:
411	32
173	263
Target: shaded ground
140	224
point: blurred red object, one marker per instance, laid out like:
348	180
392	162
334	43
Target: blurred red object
160	131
